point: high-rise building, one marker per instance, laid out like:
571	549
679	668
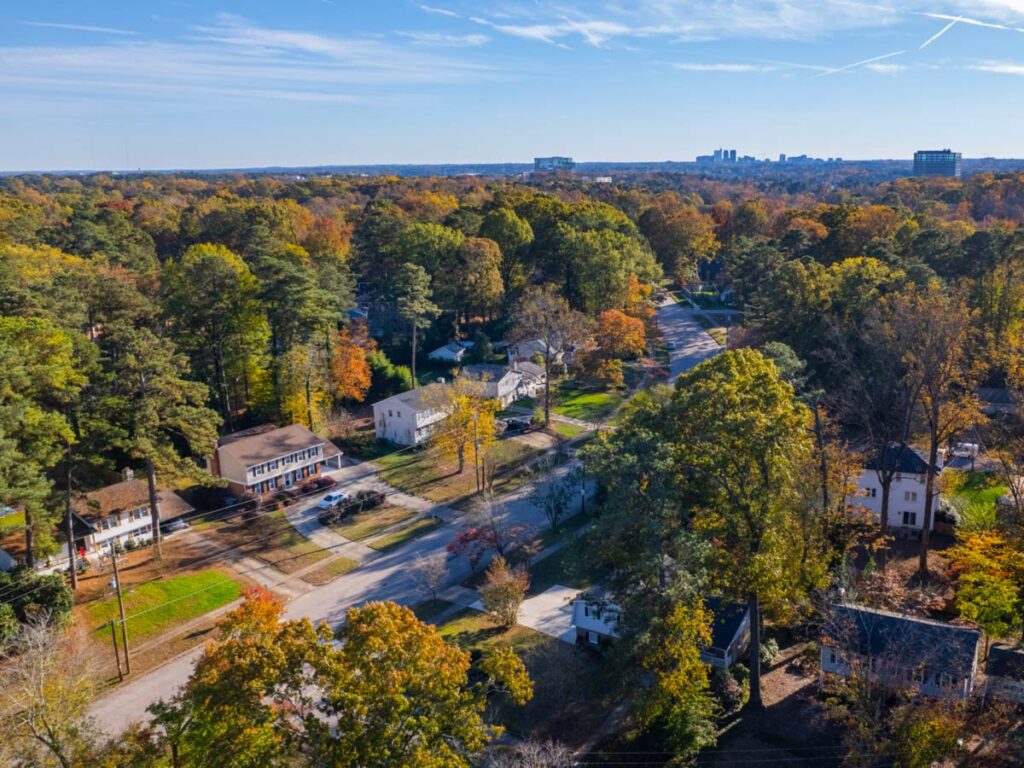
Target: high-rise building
552	164
732	155
937	162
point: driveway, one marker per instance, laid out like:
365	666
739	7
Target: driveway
693	345
549	613
387	576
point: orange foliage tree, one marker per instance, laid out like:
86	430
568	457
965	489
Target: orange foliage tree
350	367
620	335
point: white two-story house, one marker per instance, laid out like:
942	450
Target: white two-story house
121	513
907	492
411	417
266	459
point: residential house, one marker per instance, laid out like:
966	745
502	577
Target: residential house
452	352
120	513
596	618
533	378
410	418
266	459
506	384
1004	671
907	492
531	349
730	633
931	657
497	382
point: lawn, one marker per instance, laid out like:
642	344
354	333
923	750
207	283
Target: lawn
587	405
707	300
573	689
425	473
407	533
329	571
166	603
12	523
566	430
285	548
974	494
373	521
569	567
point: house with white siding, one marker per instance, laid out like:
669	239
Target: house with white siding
907	492
265	459
410	418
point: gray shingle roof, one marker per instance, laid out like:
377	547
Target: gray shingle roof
907	640
904	460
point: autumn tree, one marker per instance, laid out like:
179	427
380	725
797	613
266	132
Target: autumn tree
390	691
513	236
350	366
619	335
472	422
989	574
481	289
47	683
679	698
939	354
544	315
503	592
680	235
742	439
413	299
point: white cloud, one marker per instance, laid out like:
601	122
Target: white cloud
732	68
79	27
446	41
236	58
885	69
999	68
437	11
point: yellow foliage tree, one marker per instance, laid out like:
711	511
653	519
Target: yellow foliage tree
472	421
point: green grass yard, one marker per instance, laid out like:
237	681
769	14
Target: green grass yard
587	405
974	494
12	523
166	603
285	548
403	535
425	473
372	522
566	430
707	300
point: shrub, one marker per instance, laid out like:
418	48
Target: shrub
503	592
769	651
731	693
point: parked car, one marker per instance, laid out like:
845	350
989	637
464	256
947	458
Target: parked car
332	500
174	526
361	502
517	425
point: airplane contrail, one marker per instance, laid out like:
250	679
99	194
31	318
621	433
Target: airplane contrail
861	63
940	33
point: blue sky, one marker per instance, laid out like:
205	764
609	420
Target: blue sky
226	83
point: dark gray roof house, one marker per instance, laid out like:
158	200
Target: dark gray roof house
730	632
904	460
936	658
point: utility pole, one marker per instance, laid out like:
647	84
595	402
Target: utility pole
117	655
120	608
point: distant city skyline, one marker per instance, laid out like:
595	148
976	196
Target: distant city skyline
117	84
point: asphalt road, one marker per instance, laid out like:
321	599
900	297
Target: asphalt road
693	344
388	577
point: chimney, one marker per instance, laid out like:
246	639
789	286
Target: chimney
127	474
